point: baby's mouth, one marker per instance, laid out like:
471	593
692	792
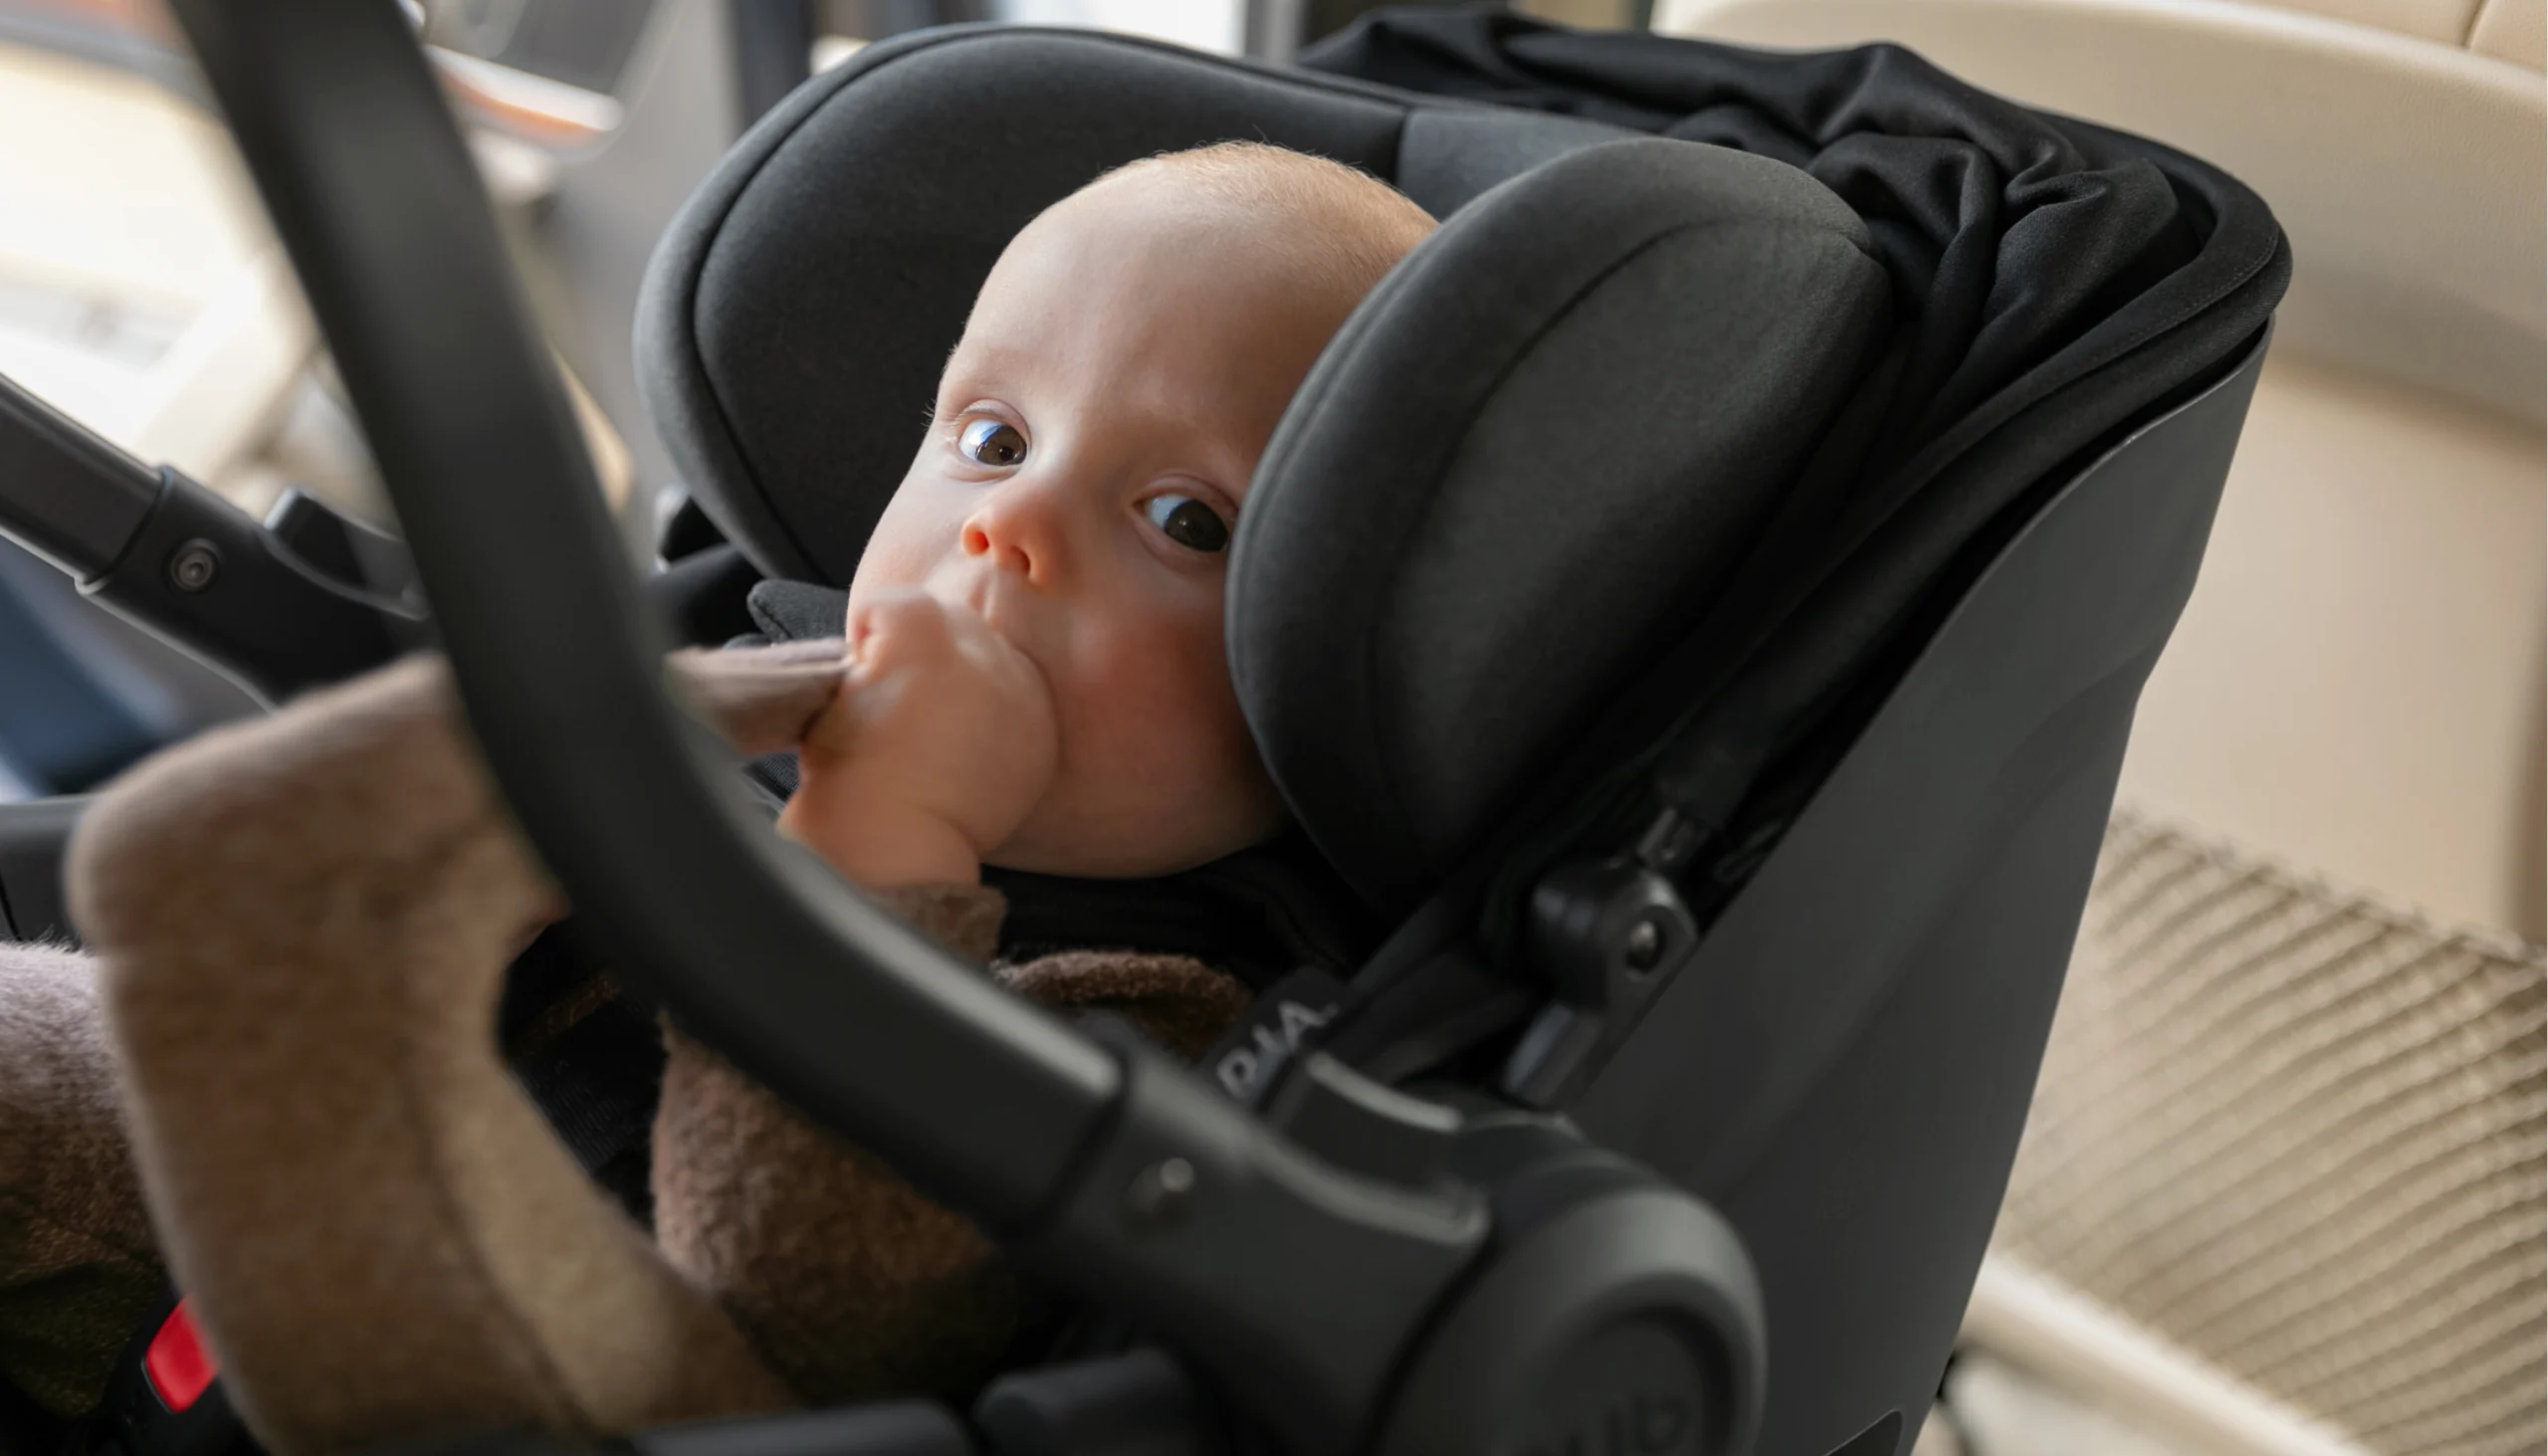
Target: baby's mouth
983	599
986	597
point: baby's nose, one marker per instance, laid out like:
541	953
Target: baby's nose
1017	533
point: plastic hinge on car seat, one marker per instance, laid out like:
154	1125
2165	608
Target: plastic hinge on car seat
185	563
1139	1403
1609	935
1285	1017
1364	1126
345	551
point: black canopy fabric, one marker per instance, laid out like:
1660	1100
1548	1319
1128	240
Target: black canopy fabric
2025	250
2054	281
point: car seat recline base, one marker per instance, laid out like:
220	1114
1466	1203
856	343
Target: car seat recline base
1831	1042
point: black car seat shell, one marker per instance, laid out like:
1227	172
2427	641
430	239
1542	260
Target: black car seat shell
1663	477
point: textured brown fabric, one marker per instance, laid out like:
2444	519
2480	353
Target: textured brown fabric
850	1283
1184	1005
77	1268
302	925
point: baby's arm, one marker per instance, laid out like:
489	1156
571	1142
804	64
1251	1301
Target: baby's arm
850	1283
303	923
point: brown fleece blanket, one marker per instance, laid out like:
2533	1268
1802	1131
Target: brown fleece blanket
301	928
77	1268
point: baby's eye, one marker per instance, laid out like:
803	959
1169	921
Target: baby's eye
1188	522
993	442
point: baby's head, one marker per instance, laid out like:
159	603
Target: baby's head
1094	436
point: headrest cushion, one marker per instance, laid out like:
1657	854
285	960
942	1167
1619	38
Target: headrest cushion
1521	466
799	310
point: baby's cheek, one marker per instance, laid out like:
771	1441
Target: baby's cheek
1165	710
918	529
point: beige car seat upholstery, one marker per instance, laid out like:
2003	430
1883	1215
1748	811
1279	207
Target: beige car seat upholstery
2356	688
2291	1125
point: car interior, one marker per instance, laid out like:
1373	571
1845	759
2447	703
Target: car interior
2020	933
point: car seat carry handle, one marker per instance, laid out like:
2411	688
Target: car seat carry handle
1340	1310
1115	1171
278	611
64	494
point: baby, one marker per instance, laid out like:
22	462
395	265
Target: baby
300	925
1035	627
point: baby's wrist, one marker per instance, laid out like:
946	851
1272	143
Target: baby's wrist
882	845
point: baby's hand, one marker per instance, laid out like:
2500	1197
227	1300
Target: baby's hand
941	742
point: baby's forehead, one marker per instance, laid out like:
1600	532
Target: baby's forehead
1117	255
1238	198
1162	208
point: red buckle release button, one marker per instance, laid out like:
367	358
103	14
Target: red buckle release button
179	1365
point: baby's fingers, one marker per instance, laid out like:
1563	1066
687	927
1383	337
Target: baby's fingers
898	629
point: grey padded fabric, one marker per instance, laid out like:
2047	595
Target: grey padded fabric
795	318
1524	467
1448	156
798	315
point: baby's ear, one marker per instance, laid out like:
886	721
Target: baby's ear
761	699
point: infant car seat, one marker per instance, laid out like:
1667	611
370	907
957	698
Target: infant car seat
1698	599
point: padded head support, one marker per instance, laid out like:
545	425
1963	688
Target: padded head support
1524	459
799	309
1524	464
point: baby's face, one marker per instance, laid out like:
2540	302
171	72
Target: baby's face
1094	436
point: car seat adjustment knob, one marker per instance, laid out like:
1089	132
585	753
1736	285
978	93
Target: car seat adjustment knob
1643	950
1608	936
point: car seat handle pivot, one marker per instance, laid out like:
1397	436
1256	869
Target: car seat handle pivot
1617	1312
1610	936
179	560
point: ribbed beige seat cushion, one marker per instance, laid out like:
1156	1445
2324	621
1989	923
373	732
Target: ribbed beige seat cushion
2357	682
2292	1134
2300	1135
